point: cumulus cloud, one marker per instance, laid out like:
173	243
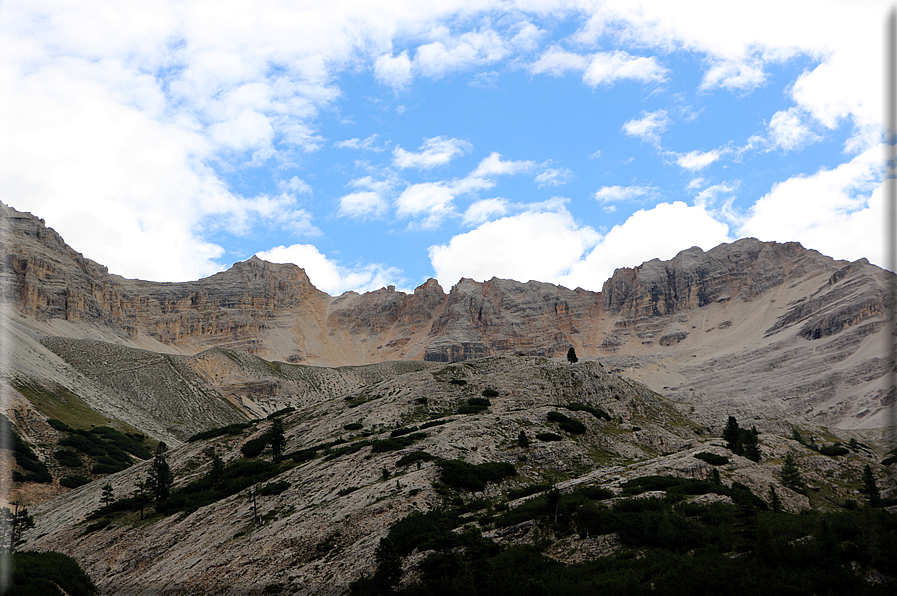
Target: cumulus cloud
788	132
613	194
554	177
602	68
495	166
394	71
837	211
433	152
697	160
328	275
473	48
649	127
433	199
660	232
368	144
484	210
370	201
539	245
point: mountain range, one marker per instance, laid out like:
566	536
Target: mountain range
781	337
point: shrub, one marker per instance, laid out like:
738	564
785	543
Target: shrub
60	425
396	443
274	488
596	412
353	426
68	458
833	450
98	525
105	468
489	392
519	493
712	458
460	382
403	431
574	427
254	447
549	437
414	456
281	412
460	474
475	405
433	423
74	481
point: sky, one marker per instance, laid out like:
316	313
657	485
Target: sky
384	143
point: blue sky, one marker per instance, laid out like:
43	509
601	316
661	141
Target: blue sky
376	145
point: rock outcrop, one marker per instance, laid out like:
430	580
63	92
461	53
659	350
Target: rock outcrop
781	301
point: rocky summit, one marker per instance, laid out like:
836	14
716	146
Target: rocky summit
303	429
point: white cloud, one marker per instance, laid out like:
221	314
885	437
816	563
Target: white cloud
788	132
295	185
433	199
394	71
434	152
837	211
697	160
328	275
734	75
694	183
707	197
367	144
602	68
554	177
362	204
659	232
473	48
609	67
494	166
484	210
540	245
610	194
649	127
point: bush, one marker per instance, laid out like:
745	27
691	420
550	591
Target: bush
475	405
274	488
489	392
60	425
519	493
40	573
254	447
396	443
574	427
403	431
712	458
68	458
353	426
549	437
414	456
74	481
281	412
833	450
596	412
433	423
460	382
99	525
460	474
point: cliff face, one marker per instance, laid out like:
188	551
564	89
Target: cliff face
737	298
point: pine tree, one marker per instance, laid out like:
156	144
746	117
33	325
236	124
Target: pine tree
870	488
732	434
108	495
775	502
571	355
751	445
278	442
790	475
160	477
522	440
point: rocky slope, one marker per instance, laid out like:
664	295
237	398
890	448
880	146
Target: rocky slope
321	532
700	327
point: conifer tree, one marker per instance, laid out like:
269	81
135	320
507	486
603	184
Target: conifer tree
160	477
108	494
732	434
278	442
790	475
751	445
870	488
775	503
571	355
522	440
